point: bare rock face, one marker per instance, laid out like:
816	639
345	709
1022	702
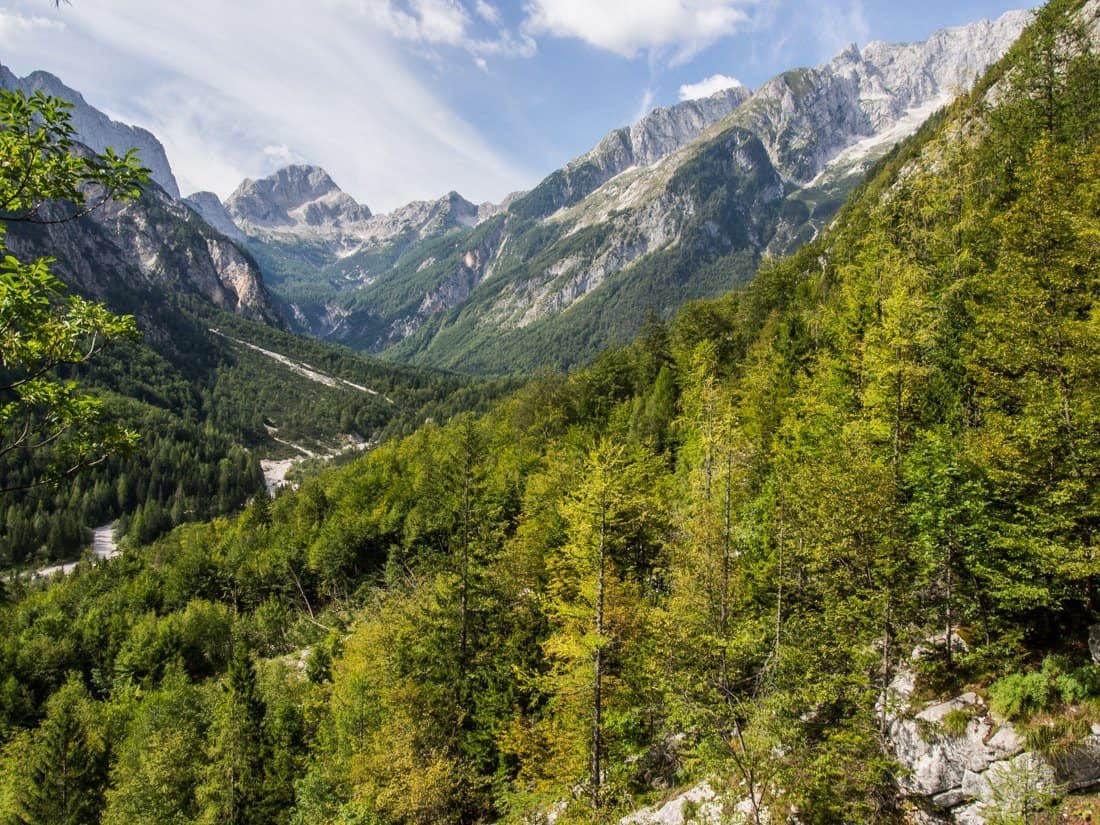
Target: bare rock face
97	131
643	144
701	801
295	197
131	248
211	210
941	766
424	219
963	775
808	117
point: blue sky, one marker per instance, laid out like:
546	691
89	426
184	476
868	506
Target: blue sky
407	99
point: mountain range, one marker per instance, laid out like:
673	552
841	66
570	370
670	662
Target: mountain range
820	550
683	204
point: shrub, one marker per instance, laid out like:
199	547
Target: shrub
1018	695
955	721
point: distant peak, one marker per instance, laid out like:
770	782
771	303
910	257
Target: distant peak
298	194
316	178
202	196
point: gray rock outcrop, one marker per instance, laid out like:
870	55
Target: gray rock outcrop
128	249
960	762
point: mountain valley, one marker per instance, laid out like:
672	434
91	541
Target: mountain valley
637	226
744	471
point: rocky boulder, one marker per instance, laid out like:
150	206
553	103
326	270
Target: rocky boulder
960	761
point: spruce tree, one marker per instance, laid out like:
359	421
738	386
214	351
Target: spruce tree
64	774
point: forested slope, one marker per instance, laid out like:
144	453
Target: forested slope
208	406
703	556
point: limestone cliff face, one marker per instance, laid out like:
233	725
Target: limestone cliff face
808	117
97	131
655	136
127	252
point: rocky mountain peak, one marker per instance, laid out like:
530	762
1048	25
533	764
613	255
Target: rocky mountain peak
295	196
944	64
666	129
866	99
95	129
420	219
658	134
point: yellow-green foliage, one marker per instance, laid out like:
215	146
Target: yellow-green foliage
706	555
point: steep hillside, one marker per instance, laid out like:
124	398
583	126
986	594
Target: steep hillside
215	389
743	555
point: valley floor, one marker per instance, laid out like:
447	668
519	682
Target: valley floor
104	546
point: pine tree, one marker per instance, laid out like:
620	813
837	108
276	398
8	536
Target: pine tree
233	792
64	773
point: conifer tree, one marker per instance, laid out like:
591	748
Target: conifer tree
64	772
594	605
233	792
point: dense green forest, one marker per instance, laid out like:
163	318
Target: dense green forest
203	404
702	557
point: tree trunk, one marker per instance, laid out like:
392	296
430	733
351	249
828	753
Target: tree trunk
597	667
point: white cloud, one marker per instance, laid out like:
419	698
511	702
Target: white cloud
226	85
682	27
280	155
15	25
487	12
481	64
644	105
707	87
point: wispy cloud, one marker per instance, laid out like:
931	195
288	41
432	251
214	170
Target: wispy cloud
220	84
644	105
424	21
840	23
487	12
13	25
477	29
